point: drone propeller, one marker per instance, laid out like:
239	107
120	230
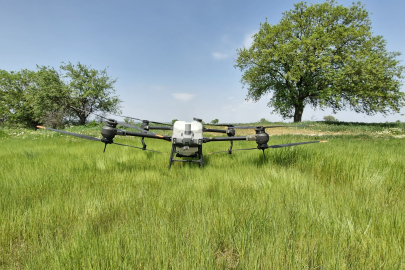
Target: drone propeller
232	126
159	123
93	138
135	127
270	146
120	123
227	151
250	127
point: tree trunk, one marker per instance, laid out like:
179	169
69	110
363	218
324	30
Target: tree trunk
82	118
299	109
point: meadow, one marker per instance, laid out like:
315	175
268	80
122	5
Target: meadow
337	205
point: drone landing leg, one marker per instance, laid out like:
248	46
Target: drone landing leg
171	155
200	155
264	154
230	148
143	143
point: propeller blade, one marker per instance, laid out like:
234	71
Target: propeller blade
89	112
159	123
249	127
292	144
72	134
139	148
121	123
135	127
227	151
270	146
220	125
92	138
244	127
282	126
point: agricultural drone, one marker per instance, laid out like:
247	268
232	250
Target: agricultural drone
187	138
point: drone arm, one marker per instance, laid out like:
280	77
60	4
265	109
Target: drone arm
146	135
160	128
223	139
214	130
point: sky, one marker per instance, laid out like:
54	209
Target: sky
172	59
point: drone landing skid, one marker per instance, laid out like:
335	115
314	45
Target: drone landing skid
230	148
199	160
143	143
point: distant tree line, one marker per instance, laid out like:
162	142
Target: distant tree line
52	97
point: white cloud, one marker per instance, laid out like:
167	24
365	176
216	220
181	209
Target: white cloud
219	56
183	96
248	41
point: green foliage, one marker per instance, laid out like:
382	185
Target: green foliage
92	124
330	118
263	120
15	99
323	55
49	97
3	134
43	97
215	121
129	121
90	90
174	120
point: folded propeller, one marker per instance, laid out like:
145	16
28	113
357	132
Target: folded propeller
109	131
264	147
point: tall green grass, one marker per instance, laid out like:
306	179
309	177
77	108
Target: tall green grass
65	204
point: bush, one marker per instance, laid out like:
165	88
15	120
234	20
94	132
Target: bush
330	118
92	124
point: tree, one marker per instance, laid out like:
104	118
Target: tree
15	106
329	118
263	120
90	90
174	121
31	98
49	97
129	121
215	121
323	55
42	97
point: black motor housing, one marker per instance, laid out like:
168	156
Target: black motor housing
109	131
262	137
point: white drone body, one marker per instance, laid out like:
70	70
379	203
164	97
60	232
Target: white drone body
187	136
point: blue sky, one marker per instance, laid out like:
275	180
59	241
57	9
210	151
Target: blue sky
173	59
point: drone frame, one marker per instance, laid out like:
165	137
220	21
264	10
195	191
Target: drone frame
109	131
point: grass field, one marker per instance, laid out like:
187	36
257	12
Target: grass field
337	205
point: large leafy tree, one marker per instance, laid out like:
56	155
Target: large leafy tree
89	90
29	97
47	96
323	55
14	103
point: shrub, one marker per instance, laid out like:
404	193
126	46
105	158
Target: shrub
330	118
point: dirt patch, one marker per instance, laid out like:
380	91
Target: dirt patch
227	259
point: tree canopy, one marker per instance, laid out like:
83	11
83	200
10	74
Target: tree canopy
323	55
15	106
47	96
90	90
